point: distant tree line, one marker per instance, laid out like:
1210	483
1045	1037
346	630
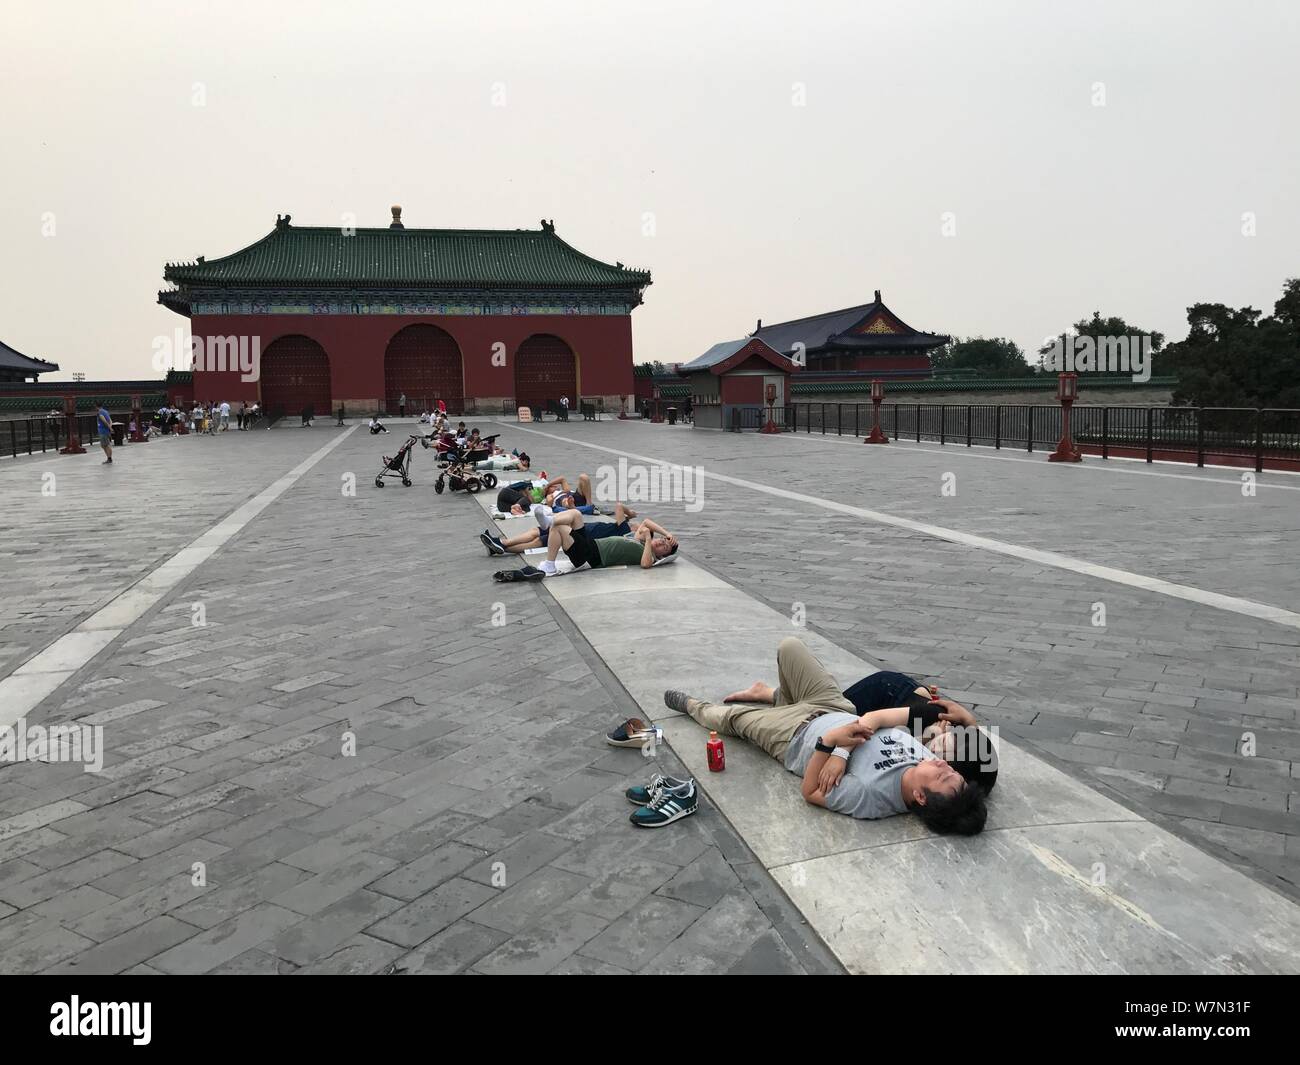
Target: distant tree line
1229	358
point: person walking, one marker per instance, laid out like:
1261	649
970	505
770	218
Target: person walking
104	422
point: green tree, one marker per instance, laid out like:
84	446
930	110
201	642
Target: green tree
1097	327
994	356
1234	358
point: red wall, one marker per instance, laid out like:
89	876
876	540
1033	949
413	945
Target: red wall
356	344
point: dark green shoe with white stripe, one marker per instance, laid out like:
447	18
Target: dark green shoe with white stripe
669	804
644	794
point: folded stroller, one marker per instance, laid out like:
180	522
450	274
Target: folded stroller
400	464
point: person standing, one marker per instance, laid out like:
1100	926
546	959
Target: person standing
243	414
401	405
104	422
225	416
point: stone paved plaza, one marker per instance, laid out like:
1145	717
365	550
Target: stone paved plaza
480	824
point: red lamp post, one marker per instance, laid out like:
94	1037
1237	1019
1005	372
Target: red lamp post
137	433
770	395
1067	391
877	396
622	409
73	446
656	415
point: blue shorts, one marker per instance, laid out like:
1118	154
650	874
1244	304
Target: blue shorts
880	690
601	529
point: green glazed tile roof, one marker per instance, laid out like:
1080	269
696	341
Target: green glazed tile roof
323	256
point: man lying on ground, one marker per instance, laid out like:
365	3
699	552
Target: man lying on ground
518	498
533	538
847	763
651	544
886	699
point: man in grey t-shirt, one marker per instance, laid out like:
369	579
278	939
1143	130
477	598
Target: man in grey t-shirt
846	763
873	782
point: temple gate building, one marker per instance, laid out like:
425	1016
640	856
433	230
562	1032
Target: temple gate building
869	340
478	318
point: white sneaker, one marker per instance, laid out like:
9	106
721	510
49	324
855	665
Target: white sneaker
543	514
549	568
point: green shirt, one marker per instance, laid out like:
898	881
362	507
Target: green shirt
617	551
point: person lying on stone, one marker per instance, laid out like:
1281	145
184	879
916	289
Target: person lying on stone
886	699
537	537
503	461
847	763
518	498
651	544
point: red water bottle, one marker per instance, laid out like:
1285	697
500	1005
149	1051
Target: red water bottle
717	754
934	692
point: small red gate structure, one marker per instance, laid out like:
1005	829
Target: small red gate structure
877	396
1067	391
73	446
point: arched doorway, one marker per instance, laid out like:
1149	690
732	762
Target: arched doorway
545	370
295	375
423	362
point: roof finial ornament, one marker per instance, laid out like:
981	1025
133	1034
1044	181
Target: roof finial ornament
397	217
548	227
282	222
877	295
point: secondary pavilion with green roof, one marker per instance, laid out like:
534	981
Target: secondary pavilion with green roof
475	317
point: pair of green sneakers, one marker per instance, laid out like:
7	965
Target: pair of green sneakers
661	802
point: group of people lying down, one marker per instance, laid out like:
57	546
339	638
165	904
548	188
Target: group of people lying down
561	513
884	746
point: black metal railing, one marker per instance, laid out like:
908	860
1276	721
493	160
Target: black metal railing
743	418
27	436
1239	435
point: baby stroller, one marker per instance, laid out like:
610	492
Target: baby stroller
400	464
460	472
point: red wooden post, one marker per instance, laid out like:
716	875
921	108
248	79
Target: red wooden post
137	419
877	396
73	446
1067	391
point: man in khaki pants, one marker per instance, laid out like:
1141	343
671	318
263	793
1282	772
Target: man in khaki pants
804	690
867	767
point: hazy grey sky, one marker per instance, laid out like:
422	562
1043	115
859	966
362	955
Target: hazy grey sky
684	110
